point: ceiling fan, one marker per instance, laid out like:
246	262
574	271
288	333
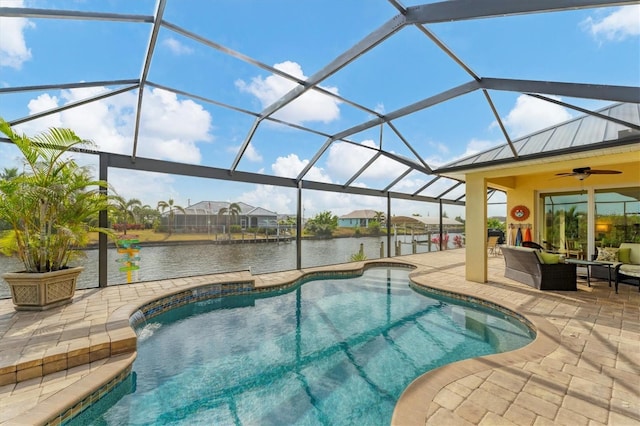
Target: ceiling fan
581	173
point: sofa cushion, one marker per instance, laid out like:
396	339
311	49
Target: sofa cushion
549	258
607	254
630	270
624	255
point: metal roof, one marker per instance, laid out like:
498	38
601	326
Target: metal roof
593	131
596	129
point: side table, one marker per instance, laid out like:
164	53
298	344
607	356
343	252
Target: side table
588	264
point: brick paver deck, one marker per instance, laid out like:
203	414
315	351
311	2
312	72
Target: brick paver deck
583	368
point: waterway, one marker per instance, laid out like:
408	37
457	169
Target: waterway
173	261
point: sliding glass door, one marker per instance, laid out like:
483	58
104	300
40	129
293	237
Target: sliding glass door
565	223
575	222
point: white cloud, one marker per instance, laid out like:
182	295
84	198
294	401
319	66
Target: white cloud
291	166
169	128
172	127
620	24
96	121
43	103
276	199
13	48
283	200
177	47
345	159
145	186
311	106
250	153
411	184
530	115
384	168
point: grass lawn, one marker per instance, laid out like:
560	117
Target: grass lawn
149	235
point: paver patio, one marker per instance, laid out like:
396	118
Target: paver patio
583	368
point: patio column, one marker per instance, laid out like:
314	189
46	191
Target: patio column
476	229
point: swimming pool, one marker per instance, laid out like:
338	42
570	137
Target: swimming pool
330	352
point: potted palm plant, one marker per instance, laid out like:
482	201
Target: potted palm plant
51	208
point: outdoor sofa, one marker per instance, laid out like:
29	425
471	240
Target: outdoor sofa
528	266
625	264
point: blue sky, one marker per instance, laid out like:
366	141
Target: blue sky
599	46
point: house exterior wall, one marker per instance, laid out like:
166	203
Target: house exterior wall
353	222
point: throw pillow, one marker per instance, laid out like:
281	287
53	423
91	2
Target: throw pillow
549	258
607	254
624	255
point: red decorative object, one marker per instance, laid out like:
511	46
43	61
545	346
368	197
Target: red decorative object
520	213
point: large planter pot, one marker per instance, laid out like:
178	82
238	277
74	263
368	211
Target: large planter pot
44	290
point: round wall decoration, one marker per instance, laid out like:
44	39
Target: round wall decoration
520	213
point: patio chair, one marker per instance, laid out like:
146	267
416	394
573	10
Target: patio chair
492	245
574	249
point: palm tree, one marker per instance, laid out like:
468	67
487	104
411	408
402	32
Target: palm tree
51	207
379	217
126	210
145	215
163	205
233	210
322	224
9	173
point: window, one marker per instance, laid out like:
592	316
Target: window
617	216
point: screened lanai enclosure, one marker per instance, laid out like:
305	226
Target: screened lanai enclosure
240	131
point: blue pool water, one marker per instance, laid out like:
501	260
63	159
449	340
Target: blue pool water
329	352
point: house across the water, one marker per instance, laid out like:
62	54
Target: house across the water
360	218
213	216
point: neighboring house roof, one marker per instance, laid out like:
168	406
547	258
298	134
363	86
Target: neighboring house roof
259	211
210	207
360	214
587	132
244	207
213	207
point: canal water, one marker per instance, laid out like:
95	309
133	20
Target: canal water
173	261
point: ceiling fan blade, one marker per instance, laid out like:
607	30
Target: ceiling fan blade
604	172
584	172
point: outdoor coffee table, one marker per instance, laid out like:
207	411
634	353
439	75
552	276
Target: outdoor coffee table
588	264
